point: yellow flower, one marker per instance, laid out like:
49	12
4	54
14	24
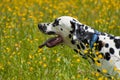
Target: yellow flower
18	53
100	56
78	60
8	49
54	51
78	76
44	58
44	65
54	16
40	50
97	53
97	63
29	63
31	68
75	55
111	27
104	70
115	68
14	53
9	9
31	56
1	66
96	58
86	45
85	51
73	77
58	60
9	62
86	79
36	39
100	78
66	11
71	64
23	19
97	74
95	44
40	62
106	78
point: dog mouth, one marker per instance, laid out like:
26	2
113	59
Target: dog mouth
51	42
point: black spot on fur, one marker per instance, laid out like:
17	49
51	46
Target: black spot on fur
71	31
106	45
85	41
83	47
72	41
86	27
83	56
42	27
72	26
117	43
48	23
111	37
102	33
74	20
56	22
98	70
100	45
70	36
112	51
119	53
78	46
107	56
61	29
82	25
76	50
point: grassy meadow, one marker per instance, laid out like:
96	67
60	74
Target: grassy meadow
20	57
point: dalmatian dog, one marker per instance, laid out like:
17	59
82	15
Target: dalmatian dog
82	38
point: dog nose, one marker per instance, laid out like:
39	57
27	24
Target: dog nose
42	27
39	25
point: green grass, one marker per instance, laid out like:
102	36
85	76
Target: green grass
20	58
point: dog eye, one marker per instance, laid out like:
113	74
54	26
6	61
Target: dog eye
61	29
48	23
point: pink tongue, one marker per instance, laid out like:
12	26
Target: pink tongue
52	42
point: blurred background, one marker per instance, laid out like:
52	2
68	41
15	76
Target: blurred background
20	58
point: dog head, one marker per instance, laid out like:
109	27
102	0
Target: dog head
65	27
60	26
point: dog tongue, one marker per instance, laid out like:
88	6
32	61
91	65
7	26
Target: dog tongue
52	42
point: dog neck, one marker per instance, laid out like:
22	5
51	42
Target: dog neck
88	35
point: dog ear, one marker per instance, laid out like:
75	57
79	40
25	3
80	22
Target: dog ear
80	32
72	26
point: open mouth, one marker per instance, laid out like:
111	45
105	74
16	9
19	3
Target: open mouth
52	42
